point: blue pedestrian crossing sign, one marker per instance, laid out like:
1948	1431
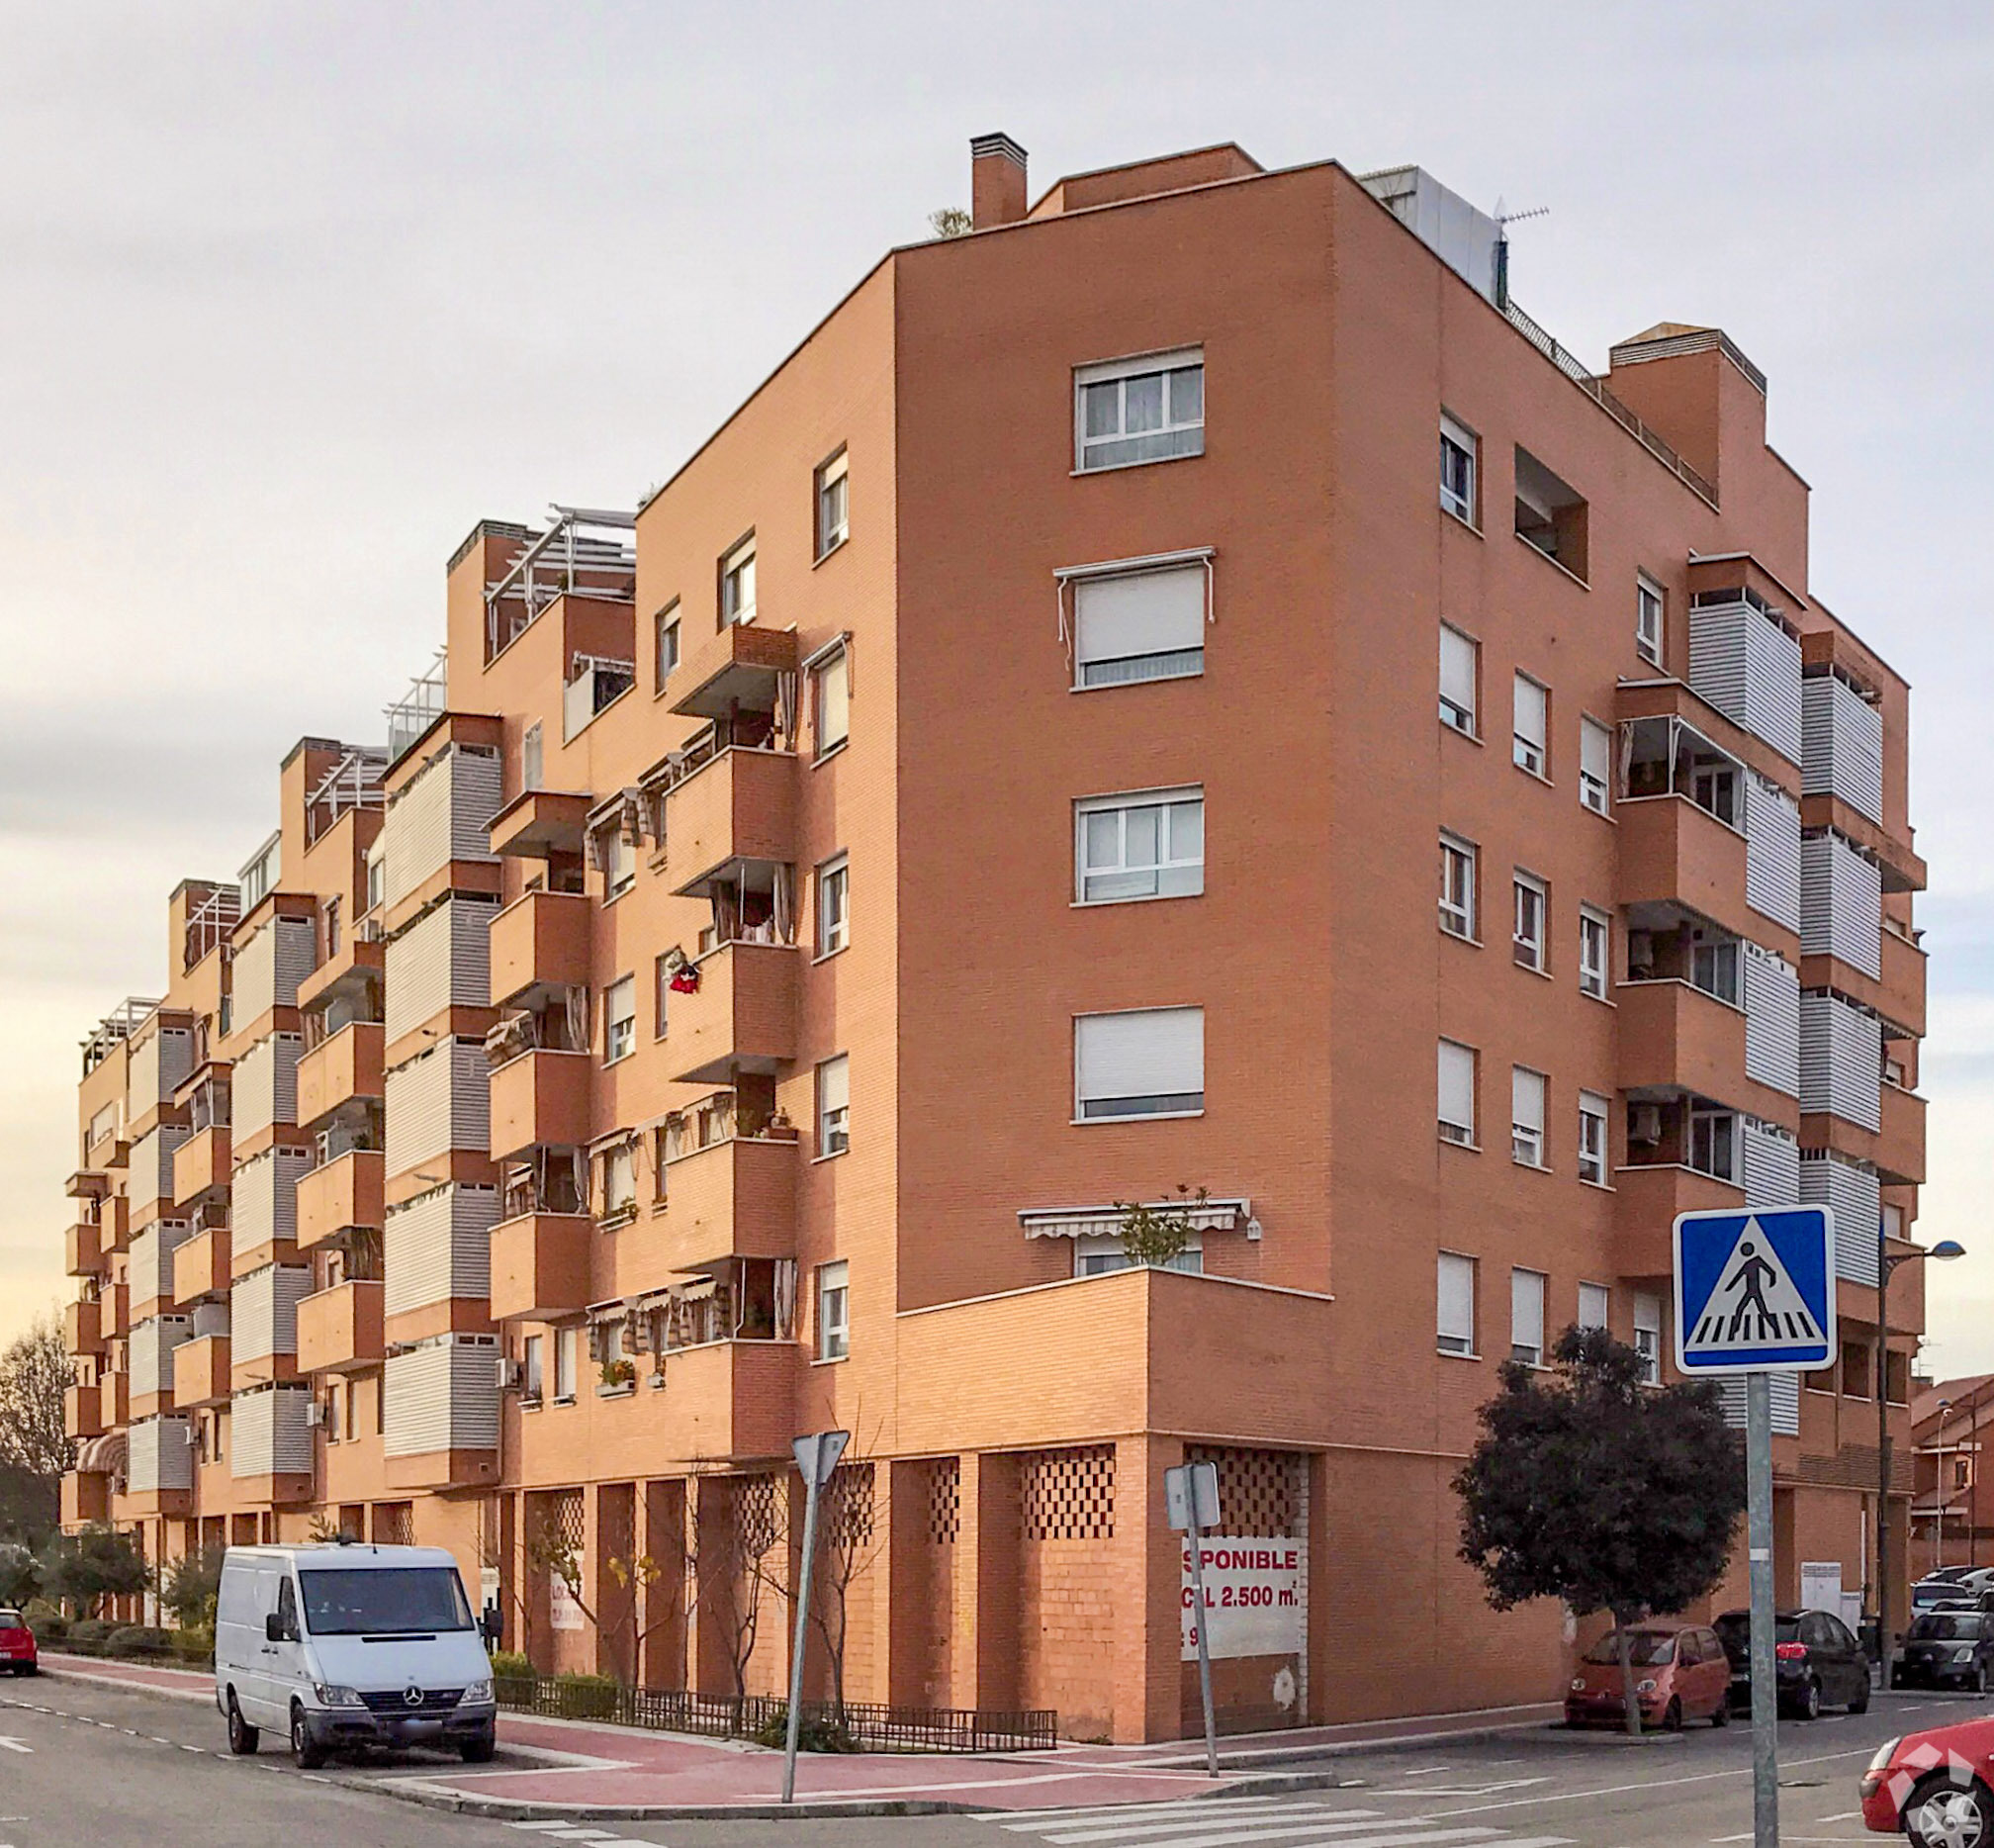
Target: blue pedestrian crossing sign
1755	1291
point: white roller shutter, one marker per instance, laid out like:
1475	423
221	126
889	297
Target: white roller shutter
1457	1088
1844	745
1122	623
1841	1061
1771	851
1154	1059
267	1432
1458	656
1841	902
1457	1302
441	1396
1854	1193
1771	1020
1771	1164
438	1246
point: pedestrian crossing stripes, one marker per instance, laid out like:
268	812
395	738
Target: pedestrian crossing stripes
579	1832
1244	1821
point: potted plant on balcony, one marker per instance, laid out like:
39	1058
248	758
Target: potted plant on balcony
619	1375
1155	1237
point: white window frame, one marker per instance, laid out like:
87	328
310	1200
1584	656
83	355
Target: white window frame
834	1310
660	980
1594	1114
1459	858
620	871
666	639
619	1179
1184	437
567	1363
1456	1340
1097	1254
1595	783
1528	1291
1651	618
737	584
834	905
834	1119
620	1019
1454	713
837	659
1181	1103
1457	436
532	1368
1716	968
1602	1306
1698	1118
1529	1096
1531	753
1461	1135
1532	953
1648	1325
833	522
1595	933
1166	861
532	759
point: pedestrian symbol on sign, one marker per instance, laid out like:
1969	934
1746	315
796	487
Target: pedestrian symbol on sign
1762	1304
1755	1289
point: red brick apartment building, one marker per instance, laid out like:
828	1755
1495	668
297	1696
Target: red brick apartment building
1004	772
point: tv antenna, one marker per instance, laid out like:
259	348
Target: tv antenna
1504	217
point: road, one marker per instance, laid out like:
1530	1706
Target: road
105	1767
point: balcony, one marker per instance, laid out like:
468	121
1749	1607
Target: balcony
345	1069
741	1018
541	1266
85	1252
83	1328
201	1371
540	939
1900	1144
540	1100
347	972
339	1329
1673	1035
86	1501
733	1399
82	1412
201	1164
1645	1209
344	1194
202	1268
738	806
732	1199
114	1307
539	823
1674	852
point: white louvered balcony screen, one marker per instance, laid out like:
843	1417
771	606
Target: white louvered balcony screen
1785	1403
149	1268
1749	668
438	1246
1771	1164
1855	1196
1771	1019
267	1432
266	971
1841	902
438	1101
150	1170
442	1396
159	1066
443	960
263	1199
1841	1061
263	1312
1843	750
444	813
265	1086
158	1456
1771	851
150	1352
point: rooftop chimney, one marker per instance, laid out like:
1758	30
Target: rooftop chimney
996	181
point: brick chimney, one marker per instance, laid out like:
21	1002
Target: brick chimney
996	181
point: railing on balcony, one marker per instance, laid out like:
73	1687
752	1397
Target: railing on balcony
583	553
353	782
210	924
560	1026
593	683
115	1028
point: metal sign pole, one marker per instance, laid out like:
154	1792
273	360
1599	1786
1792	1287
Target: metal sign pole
1758	1532
802	1630
1196	1538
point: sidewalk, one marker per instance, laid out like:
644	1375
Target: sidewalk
584	1769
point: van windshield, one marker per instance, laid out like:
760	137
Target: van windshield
391	1601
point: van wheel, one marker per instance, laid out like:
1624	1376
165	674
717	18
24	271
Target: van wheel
481	1751
244	1739
307	1753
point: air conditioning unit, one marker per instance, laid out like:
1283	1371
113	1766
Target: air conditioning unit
1644	1123
314	1416
511	1374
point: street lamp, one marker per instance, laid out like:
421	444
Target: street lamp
1886	1267
1938	1486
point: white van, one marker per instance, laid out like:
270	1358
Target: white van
341	1645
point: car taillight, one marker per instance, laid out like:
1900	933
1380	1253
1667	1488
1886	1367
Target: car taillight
1790	1651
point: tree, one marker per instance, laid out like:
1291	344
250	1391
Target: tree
1156	1236
96	1563
744	1554
20	1573
192	1585
35	1447
950	222
1596	1489
852	1529
550	1550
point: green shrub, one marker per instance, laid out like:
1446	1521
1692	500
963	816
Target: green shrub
140	1639
195	1643
585	1697
511	1665
88	1634
47	1622
813	1735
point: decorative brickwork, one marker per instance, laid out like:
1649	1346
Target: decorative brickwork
945	1499
1261	1492
1068	1495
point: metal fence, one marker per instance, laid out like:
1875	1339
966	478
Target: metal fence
870	1728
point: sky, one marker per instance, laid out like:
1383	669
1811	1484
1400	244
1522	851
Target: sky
292	294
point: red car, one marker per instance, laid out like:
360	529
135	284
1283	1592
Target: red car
1678	1675
1935	1788
18	1655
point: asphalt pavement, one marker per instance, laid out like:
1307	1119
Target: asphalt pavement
83	1763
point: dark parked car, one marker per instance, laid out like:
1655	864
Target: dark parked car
1947	1649
1817	1658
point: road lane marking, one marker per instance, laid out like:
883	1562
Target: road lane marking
1109	1812
16	1745
1241	1829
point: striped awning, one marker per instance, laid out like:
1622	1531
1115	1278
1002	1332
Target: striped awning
102	1456
1086	1222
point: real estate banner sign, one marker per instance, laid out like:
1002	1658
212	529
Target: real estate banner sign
1252	1597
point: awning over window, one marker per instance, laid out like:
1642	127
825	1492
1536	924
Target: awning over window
102	1456
1086	1222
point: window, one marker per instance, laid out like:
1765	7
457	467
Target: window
1459	447
661	979
1648	1335
531	1365
1140	411
532	759
737	584
831	701
1593	1138
1713	1144
1145	1063
1533	720
1139	847
1649	609
1527	1316
833	525
1143	625
376	881
619	1016
619	1181
1526	1115
1532	905
1097	1254
329	1416
1460	670
1595	756
1713	968
351	1393
259	874
834	1311
619	863
834	1106
834	917
1456	1328
1595	949
1858	1369
667	640
1893	1219
567	1356
1594	1301
1457	887
1550	515
1457	1093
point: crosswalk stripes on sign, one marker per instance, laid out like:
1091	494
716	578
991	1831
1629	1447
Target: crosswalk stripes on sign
1755	1301
1246	1822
